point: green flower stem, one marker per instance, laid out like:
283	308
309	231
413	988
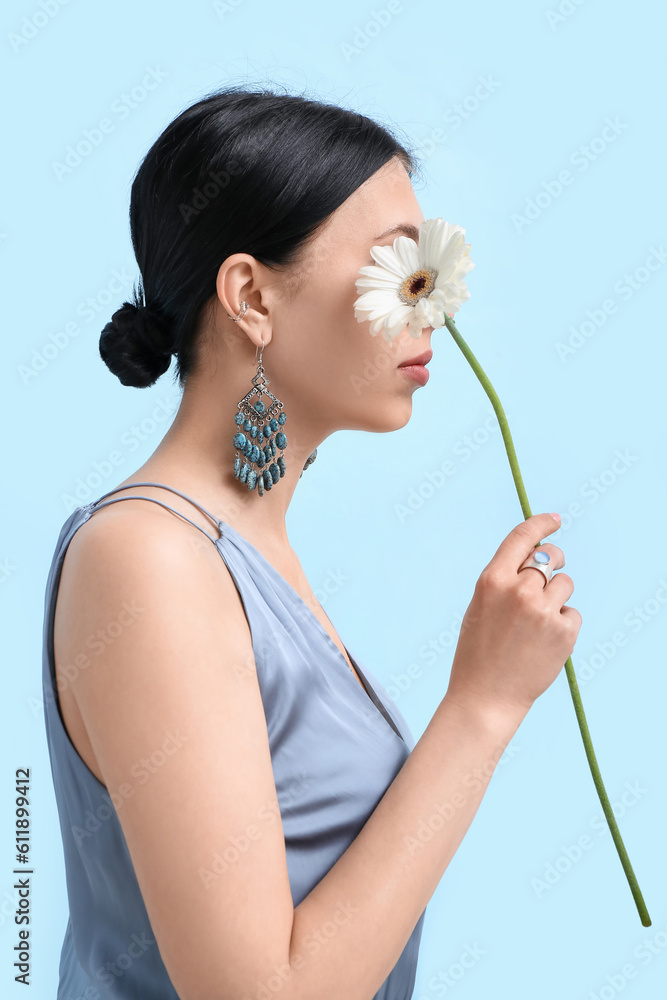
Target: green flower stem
569	669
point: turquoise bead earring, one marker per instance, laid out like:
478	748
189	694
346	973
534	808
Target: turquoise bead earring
257	422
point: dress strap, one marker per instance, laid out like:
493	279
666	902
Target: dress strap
97	505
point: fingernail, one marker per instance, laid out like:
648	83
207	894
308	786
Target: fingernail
556	517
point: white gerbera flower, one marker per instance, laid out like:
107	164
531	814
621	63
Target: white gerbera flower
415	284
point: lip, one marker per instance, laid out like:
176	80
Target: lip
421	359
416	369
419	373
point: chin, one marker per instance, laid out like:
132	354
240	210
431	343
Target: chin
391	417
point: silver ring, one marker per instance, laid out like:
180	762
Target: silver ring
539	560
242	312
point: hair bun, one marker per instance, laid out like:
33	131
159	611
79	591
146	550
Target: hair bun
136	345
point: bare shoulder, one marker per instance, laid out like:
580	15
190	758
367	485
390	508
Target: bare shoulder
136	560
169	677
140	526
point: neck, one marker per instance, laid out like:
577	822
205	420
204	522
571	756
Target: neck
197	456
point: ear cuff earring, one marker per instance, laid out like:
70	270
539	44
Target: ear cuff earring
255	446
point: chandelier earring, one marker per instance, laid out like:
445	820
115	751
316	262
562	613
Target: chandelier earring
259	436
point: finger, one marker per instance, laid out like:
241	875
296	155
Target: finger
533	581
560	588
556	556
522	540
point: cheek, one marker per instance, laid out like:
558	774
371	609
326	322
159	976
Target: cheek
330	360
375	365
362	369
323	336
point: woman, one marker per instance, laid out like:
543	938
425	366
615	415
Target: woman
244	810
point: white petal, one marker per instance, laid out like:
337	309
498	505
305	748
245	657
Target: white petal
386	257
382	279
379	313
454	270
465	264
416	325
391	332
376	272
377	297
456	293
399	315
362	314
443	246
438	295
441	238
407	253
432	312
449	261
436	315
430	242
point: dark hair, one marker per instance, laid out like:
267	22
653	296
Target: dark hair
249	171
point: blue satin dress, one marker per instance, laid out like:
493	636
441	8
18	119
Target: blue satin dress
335	749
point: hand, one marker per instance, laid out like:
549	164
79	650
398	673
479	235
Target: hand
515	635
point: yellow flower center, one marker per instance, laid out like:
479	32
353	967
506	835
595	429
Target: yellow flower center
417	285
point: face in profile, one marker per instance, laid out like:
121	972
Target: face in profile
324	364
355	377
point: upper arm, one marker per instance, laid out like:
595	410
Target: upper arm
181	667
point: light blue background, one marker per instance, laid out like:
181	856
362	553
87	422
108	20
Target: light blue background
554	86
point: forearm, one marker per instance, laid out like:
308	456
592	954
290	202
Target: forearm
381	884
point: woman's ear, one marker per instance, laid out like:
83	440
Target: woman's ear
240	280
